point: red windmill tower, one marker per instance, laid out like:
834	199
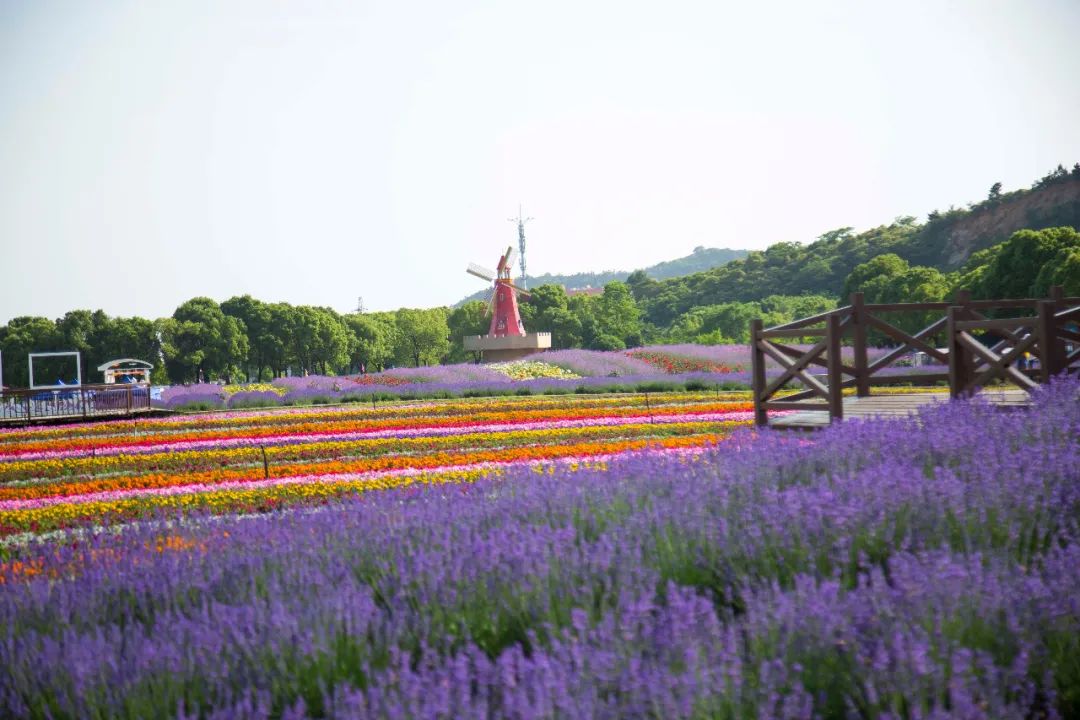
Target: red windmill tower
506	338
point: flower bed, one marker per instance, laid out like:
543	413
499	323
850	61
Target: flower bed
87	474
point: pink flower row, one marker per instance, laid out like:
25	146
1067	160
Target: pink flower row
297	439
113	495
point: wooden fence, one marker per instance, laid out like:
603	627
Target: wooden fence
980	344
77	401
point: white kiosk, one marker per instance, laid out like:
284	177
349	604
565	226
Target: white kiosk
126	370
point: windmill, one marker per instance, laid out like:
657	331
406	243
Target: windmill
502	303
506	338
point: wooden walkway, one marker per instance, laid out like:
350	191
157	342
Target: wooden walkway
974	343
74	402
891	406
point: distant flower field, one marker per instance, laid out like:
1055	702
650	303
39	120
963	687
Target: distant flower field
544	557
657	368
77	475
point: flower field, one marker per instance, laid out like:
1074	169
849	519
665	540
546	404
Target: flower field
544	557
246	462
649	369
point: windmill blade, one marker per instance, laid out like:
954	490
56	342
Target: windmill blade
511	253
520	291
481	272
491	302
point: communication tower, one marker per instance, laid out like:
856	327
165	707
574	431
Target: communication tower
521	244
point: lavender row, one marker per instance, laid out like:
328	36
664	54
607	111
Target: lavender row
335	389
318	389
884	569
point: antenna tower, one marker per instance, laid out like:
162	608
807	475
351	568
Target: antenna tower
521	244
360	304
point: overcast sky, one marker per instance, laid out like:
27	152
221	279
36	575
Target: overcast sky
317	151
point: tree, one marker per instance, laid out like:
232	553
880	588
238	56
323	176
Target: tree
643	287
320	340
201	340
1016	270
132	337
617	315
77	331
262	341
729	321
565	327
467	319
995	192
1063	269
375	336
21	336
423	336
872	278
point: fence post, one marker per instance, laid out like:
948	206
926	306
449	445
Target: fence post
858	318
757	377
1053	359
836	391
958	375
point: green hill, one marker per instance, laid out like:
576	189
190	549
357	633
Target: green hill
945	242
698	261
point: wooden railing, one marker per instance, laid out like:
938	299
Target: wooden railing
77	401
1046	331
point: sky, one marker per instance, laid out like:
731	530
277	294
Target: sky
316	152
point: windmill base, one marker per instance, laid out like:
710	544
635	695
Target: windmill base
507	348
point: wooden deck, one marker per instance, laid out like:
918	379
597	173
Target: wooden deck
890	406
974	343
75	402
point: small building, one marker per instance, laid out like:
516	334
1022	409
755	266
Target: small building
126	370
587	290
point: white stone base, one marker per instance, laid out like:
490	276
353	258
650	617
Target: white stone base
510	347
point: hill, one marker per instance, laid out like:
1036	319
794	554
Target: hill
698	261
945	242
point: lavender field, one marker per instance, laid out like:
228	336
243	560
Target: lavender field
923	568
660	367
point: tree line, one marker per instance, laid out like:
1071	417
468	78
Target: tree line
244	338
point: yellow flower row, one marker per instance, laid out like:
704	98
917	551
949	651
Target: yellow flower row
360	412
246	455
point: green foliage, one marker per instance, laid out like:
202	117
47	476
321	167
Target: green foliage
21	336
730	322
375	337
701	259
265	338
200	338
320	340
1063	270
422	337
547	309
617	317
470	318
1027	263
